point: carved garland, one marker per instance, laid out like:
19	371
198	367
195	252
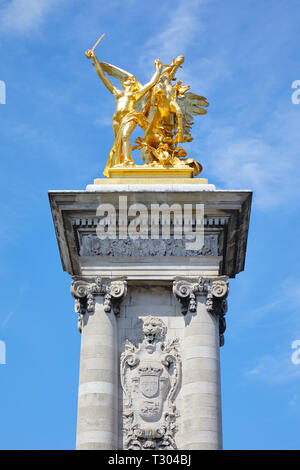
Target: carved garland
216	291
84	293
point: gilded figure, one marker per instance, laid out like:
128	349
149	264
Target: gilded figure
126	115
162	108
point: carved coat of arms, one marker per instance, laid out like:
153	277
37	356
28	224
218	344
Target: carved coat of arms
150	377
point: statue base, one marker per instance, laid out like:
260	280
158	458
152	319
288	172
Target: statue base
142	174
146	171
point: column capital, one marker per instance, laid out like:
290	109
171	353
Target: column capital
214	289
84	291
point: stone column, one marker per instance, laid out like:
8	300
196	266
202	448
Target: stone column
97	419
194	338
204	306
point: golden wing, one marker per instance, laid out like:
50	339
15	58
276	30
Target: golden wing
191	105
116	72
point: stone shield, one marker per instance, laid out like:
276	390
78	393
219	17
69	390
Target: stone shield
149	385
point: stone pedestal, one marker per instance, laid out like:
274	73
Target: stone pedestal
152	316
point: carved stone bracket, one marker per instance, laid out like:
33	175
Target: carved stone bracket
185	291
216	304
215	290
84	292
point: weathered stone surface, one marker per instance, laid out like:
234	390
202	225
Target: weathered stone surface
84	291
201	393
91	245
118	285
150	378
226	215
215	292
97	423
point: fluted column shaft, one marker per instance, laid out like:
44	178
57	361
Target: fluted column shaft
201	393
97	301
97	396
203	303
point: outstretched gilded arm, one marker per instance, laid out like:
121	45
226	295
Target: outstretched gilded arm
172	68
153	80
102	75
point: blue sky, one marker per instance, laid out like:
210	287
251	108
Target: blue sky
55	133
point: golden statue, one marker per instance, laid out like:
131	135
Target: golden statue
163	110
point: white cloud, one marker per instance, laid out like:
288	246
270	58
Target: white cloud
275	370
7	318
295	401
266	160
103	121
181	26
281	309
18	299
291	288
245	151
24	15
257	147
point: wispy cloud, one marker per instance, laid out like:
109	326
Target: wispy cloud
104	121
19	16
282	310
295	402
7	318
257	146
178	30
183	31
255	150
19	298
265	160
275	370
291	287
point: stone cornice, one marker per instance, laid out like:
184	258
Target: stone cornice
226	215
214	289
84	292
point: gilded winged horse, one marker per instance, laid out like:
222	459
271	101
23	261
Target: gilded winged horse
170	110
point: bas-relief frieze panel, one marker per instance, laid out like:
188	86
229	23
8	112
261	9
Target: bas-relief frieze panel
91	245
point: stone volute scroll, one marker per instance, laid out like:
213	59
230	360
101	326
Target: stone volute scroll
215	291
84	292
150	378
216	304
